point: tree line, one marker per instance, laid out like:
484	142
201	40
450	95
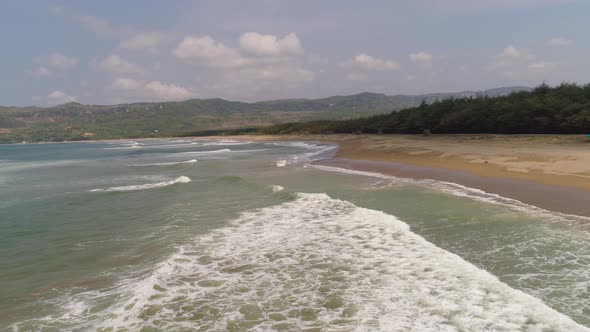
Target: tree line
563	109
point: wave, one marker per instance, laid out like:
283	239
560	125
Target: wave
219	151
192	161
467	192
319	152
314	261
224	143
275	188
180	179
123	147
205	152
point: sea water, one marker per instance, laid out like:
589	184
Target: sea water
215	235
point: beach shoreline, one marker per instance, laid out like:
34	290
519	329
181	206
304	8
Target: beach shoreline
547	171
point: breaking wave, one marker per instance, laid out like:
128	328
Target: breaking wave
192	161
311	263
180	179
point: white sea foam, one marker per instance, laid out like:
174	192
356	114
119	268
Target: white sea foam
318	152
18	166
276	188
123	147
192	161
314	262
463	191
205	152
225	143
180	179
221	151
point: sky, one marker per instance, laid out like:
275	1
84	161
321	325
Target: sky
107	52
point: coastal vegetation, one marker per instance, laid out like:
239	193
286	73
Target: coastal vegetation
563	109
74	121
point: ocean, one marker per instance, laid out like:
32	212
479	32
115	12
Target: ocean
224	235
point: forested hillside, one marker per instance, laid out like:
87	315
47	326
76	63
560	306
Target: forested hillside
74	121
564	109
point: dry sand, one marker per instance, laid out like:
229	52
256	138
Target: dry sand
548	171
546	159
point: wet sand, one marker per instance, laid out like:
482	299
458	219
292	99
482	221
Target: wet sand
549	197
548	171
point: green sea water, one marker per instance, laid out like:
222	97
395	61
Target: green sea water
185	235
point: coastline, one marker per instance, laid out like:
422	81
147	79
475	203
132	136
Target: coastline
547	171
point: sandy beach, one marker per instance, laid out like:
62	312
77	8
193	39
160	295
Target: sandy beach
549	171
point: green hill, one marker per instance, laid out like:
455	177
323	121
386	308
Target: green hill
564	109
74	121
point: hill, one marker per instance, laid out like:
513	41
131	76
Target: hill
564	109
74	121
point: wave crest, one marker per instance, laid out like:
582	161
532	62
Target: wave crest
180	179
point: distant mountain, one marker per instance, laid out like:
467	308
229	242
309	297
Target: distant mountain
74	121
563	109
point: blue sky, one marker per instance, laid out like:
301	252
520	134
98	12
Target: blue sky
106	52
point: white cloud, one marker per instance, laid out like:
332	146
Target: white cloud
511	52
58	61
261	63
421	59
118	66
372	63
270	46
165	91
541	66
205	51
508	73
143	41
59	97
154	90
470	5
511	56
255	50
42	72
122	83
286	74
559	41
356	77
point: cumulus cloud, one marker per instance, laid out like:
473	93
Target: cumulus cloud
269	45
205	51
541	66
421	59
470	5
356	77
122	83
511	56
58	97
508	73
559	41
260	62
58	61
372	63
165	91
42	72
114	64
143	41
255	49
154	90
285	74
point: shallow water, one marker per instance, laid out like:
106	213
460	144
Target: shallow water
225	235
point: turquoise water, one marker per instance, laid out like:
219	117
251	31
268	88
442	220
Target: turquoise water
225	235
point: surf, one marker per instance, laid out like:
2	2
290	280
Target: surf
191	161
180	179
313	262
